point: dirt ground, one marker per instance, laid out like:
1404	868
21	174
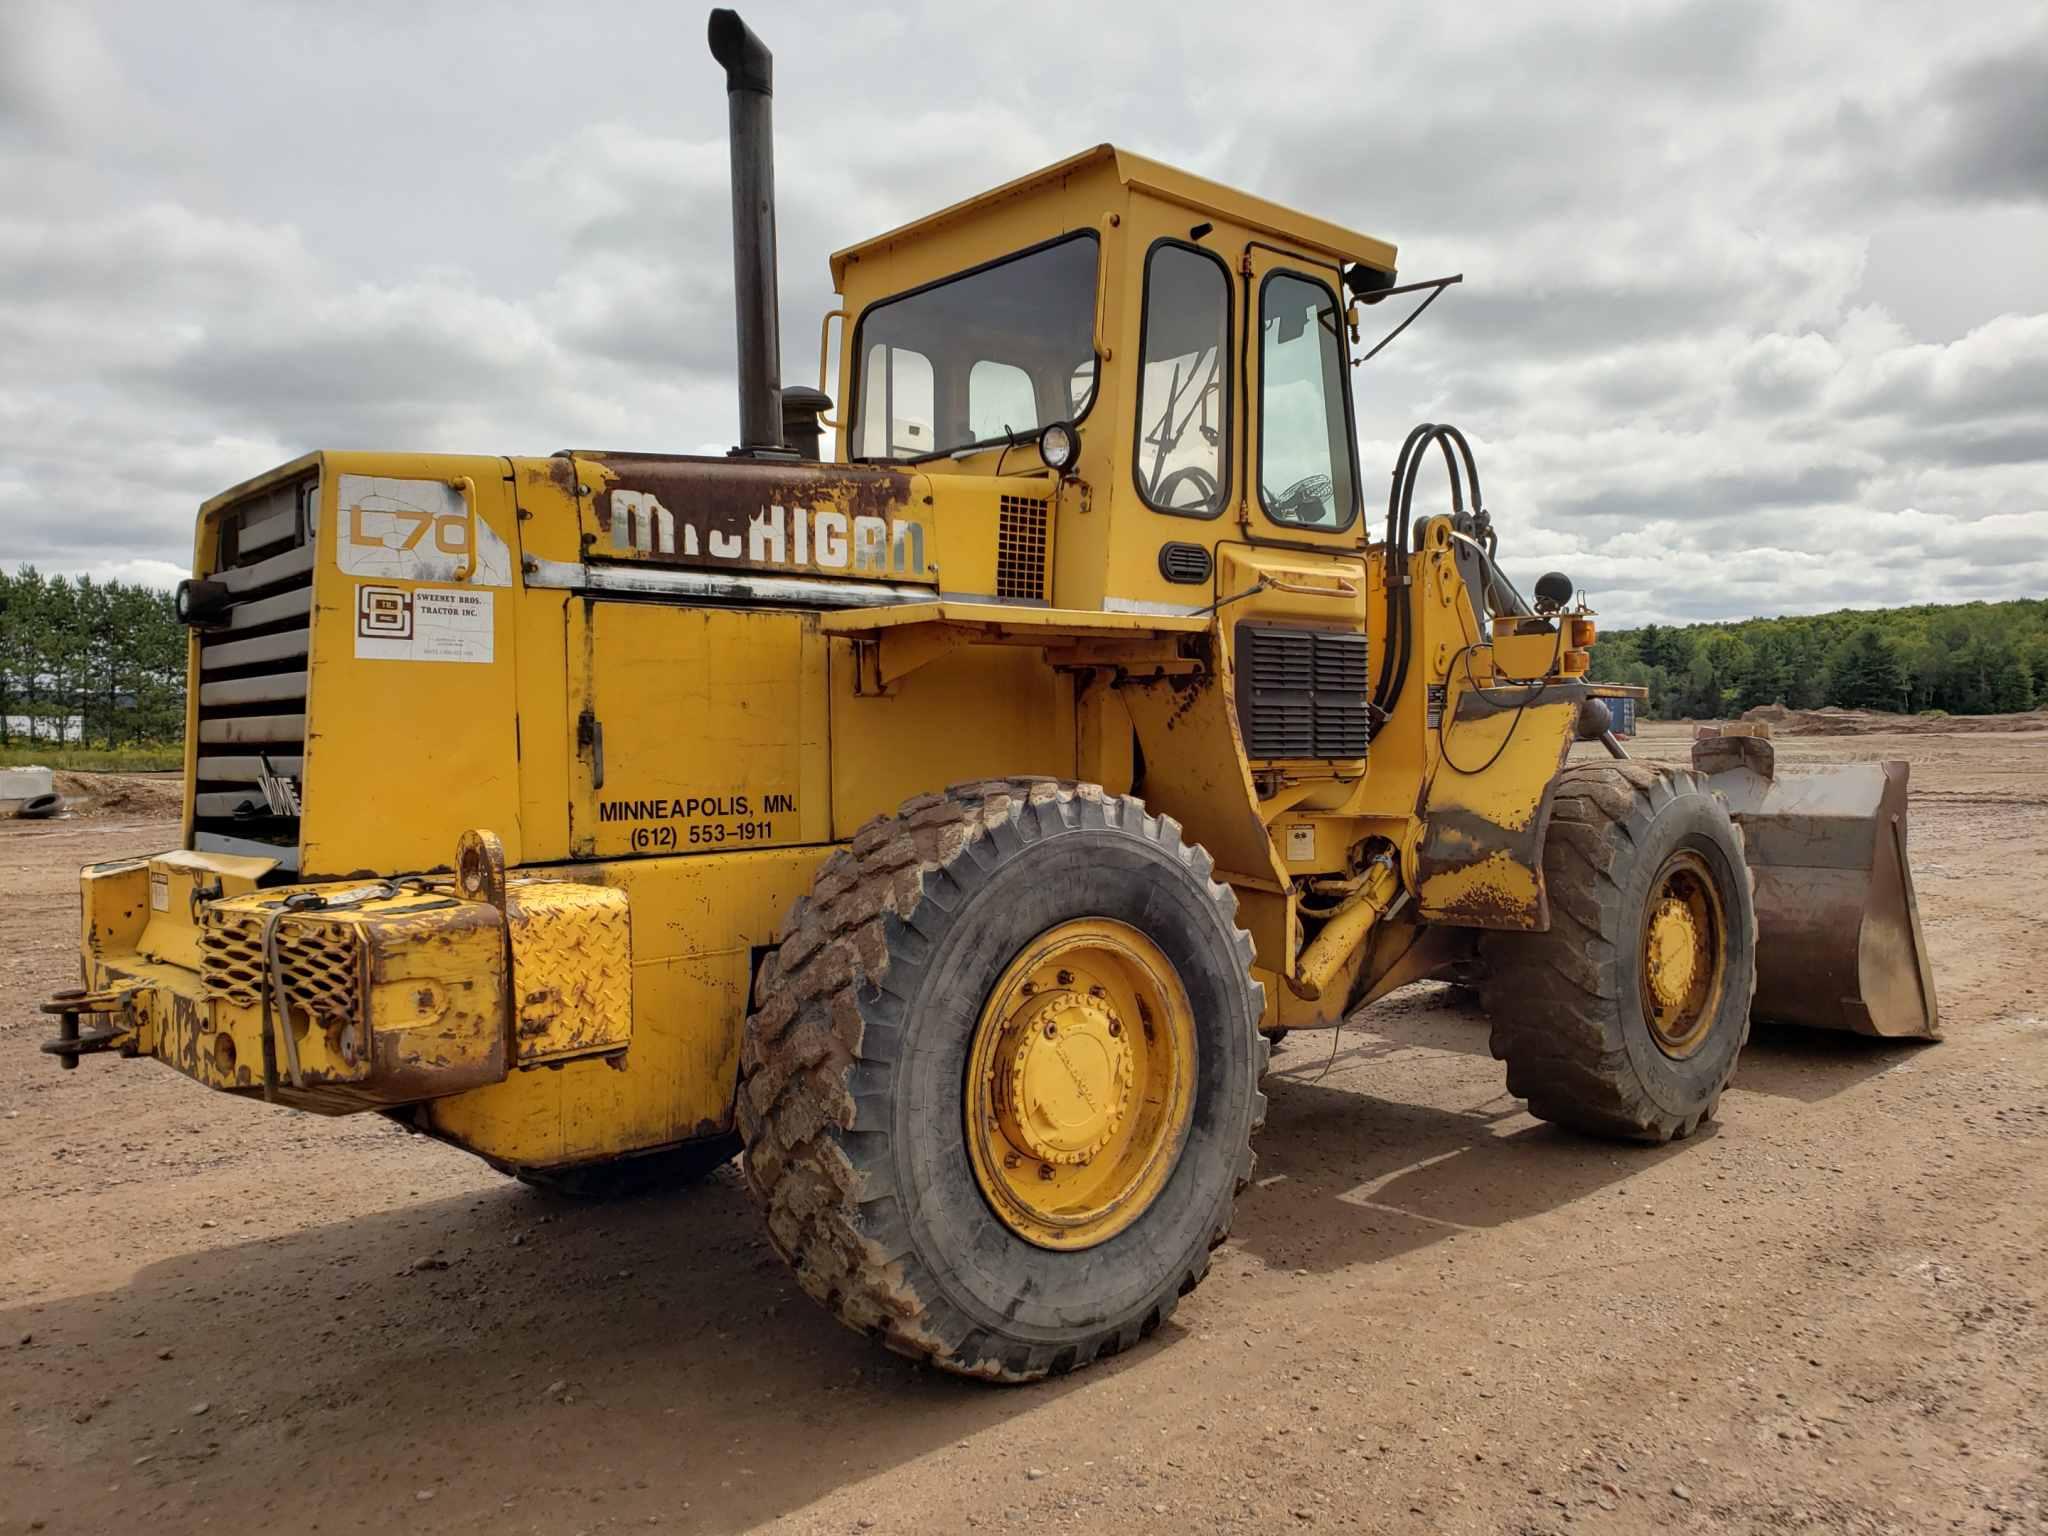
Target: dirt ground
1436	1315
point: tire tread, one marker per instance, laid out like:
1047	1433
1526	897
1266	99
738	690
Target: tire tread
1552	997
829	1001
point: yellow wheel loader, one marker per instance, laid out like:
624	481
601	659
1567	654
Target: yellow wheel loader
953	821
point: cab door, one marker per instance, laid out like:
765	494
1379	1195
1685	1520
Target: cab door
1302	483
1297	642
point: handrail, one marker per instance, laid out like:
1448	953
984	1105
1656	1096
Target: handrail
825	358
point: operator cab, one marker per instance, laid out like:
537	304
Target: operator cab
1112	293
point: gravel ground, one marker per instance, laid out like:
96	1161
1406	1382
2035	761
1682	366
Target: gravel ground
1437	1314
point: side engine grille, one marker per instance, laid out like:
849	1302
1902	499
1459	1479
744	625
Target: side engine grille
319	961
1276	671
1342	724
252	679
1302	692
1021	549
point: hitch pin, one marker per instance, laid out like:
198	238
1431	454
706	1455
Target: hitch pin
67	1029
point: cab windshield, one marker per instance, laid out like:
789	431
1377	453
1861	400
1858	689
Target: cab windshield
987	357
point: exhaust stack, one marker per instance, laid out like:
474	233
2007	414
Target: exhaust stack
749	86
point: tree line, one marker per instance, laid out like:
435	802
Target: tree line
1962	659
102	663
89	663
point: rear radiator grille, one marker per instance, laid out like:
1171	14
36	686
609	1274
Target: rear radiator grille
252	679
1301	692
319	962
1021	549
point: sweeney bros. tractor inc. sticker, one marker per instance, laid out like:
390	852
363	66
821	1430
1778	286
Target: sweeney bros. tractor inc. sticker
422	624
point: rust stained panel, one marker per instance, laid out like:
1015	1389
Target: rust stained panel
1480	874
572	970
429	1004
1195	769
1480	860
437	1001
693	510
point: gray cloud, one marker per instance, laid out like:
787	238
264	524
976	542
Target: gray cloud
1721	506
1995	143
229	233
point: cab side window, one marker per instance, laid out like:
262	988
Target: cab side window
1182	460
898	382
1305	448
1000	401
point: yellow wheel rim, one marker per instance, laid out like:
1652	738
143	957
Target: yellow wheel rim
1684	955
1080	1084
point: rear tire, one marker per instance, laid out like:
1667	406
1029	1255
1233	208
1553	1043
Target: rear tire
854	1076
1611	1022
624	1178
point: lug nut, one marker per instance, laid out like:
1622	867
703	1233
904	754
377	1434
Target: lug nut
1066	978
1009	1159
1098	991
1050	1031
1045	1172
1115	1028
1029	987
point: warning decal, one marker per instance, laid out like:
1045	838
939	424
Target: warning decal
422	624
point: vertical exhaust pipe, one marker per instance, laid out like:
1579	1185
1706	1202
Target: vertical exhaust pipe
749	87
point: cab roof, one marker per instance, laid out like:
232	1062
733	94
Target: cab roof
1152	179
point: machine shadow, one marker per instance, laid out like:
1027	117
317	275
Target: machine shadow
1809	1065
1783	1060
654	1354
1347	1178
1434	1015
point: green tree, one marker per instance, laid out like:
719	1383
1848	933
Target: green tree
1670	649
1805	669
1865	672
1763	680
101	663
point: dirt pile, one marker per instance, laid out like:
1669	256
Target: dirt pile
1871	722
130	796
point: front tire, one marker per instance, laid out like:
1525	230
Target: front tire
1626	1018
999	1085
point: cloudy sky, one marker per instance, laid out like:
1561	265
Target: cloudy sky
1755	316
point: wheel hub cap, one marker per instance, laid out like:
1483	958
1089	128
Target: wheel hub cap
1080	1083
1684	938
1063	1084
1674	952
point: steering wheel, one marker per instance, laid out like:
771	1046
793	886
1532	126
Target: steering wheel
1209	492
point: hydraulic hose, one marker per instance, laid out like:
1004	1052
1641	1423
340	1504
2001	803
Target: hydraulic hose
1462	469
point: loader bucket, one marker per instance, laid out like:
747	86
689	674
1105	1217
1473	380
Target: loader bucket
1839	944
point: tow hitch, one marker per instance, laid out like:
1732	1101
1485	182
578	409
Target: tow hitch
115	1003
